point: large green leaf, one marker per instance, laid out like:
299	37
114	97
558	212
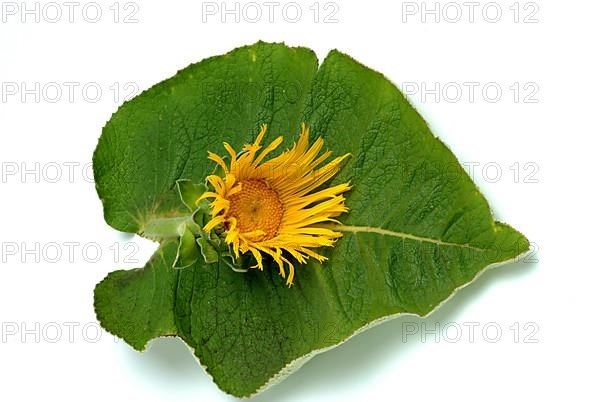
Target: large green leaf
418	228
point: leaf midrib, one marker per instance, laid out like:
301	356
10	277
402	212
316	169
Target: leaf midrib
403	235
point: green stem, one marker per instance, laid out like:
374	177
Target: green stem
165	228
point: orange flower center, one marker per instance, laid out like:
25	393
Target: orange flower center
256	207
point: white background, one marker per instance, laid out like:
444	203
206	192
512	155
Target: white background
552	302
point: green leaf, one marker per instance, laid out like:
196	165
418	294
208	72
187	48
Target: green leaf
418	228
142	299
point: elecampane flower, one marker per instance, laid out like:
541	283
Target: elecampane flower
276	206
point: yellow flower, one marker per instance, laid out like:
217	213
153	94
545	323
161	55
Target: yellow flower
273	206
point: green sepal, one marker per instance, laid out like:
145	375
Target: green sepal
190	192
239	264
208	251
200	215
187	251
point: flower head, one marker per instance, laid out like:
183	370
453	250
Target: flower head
277	207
